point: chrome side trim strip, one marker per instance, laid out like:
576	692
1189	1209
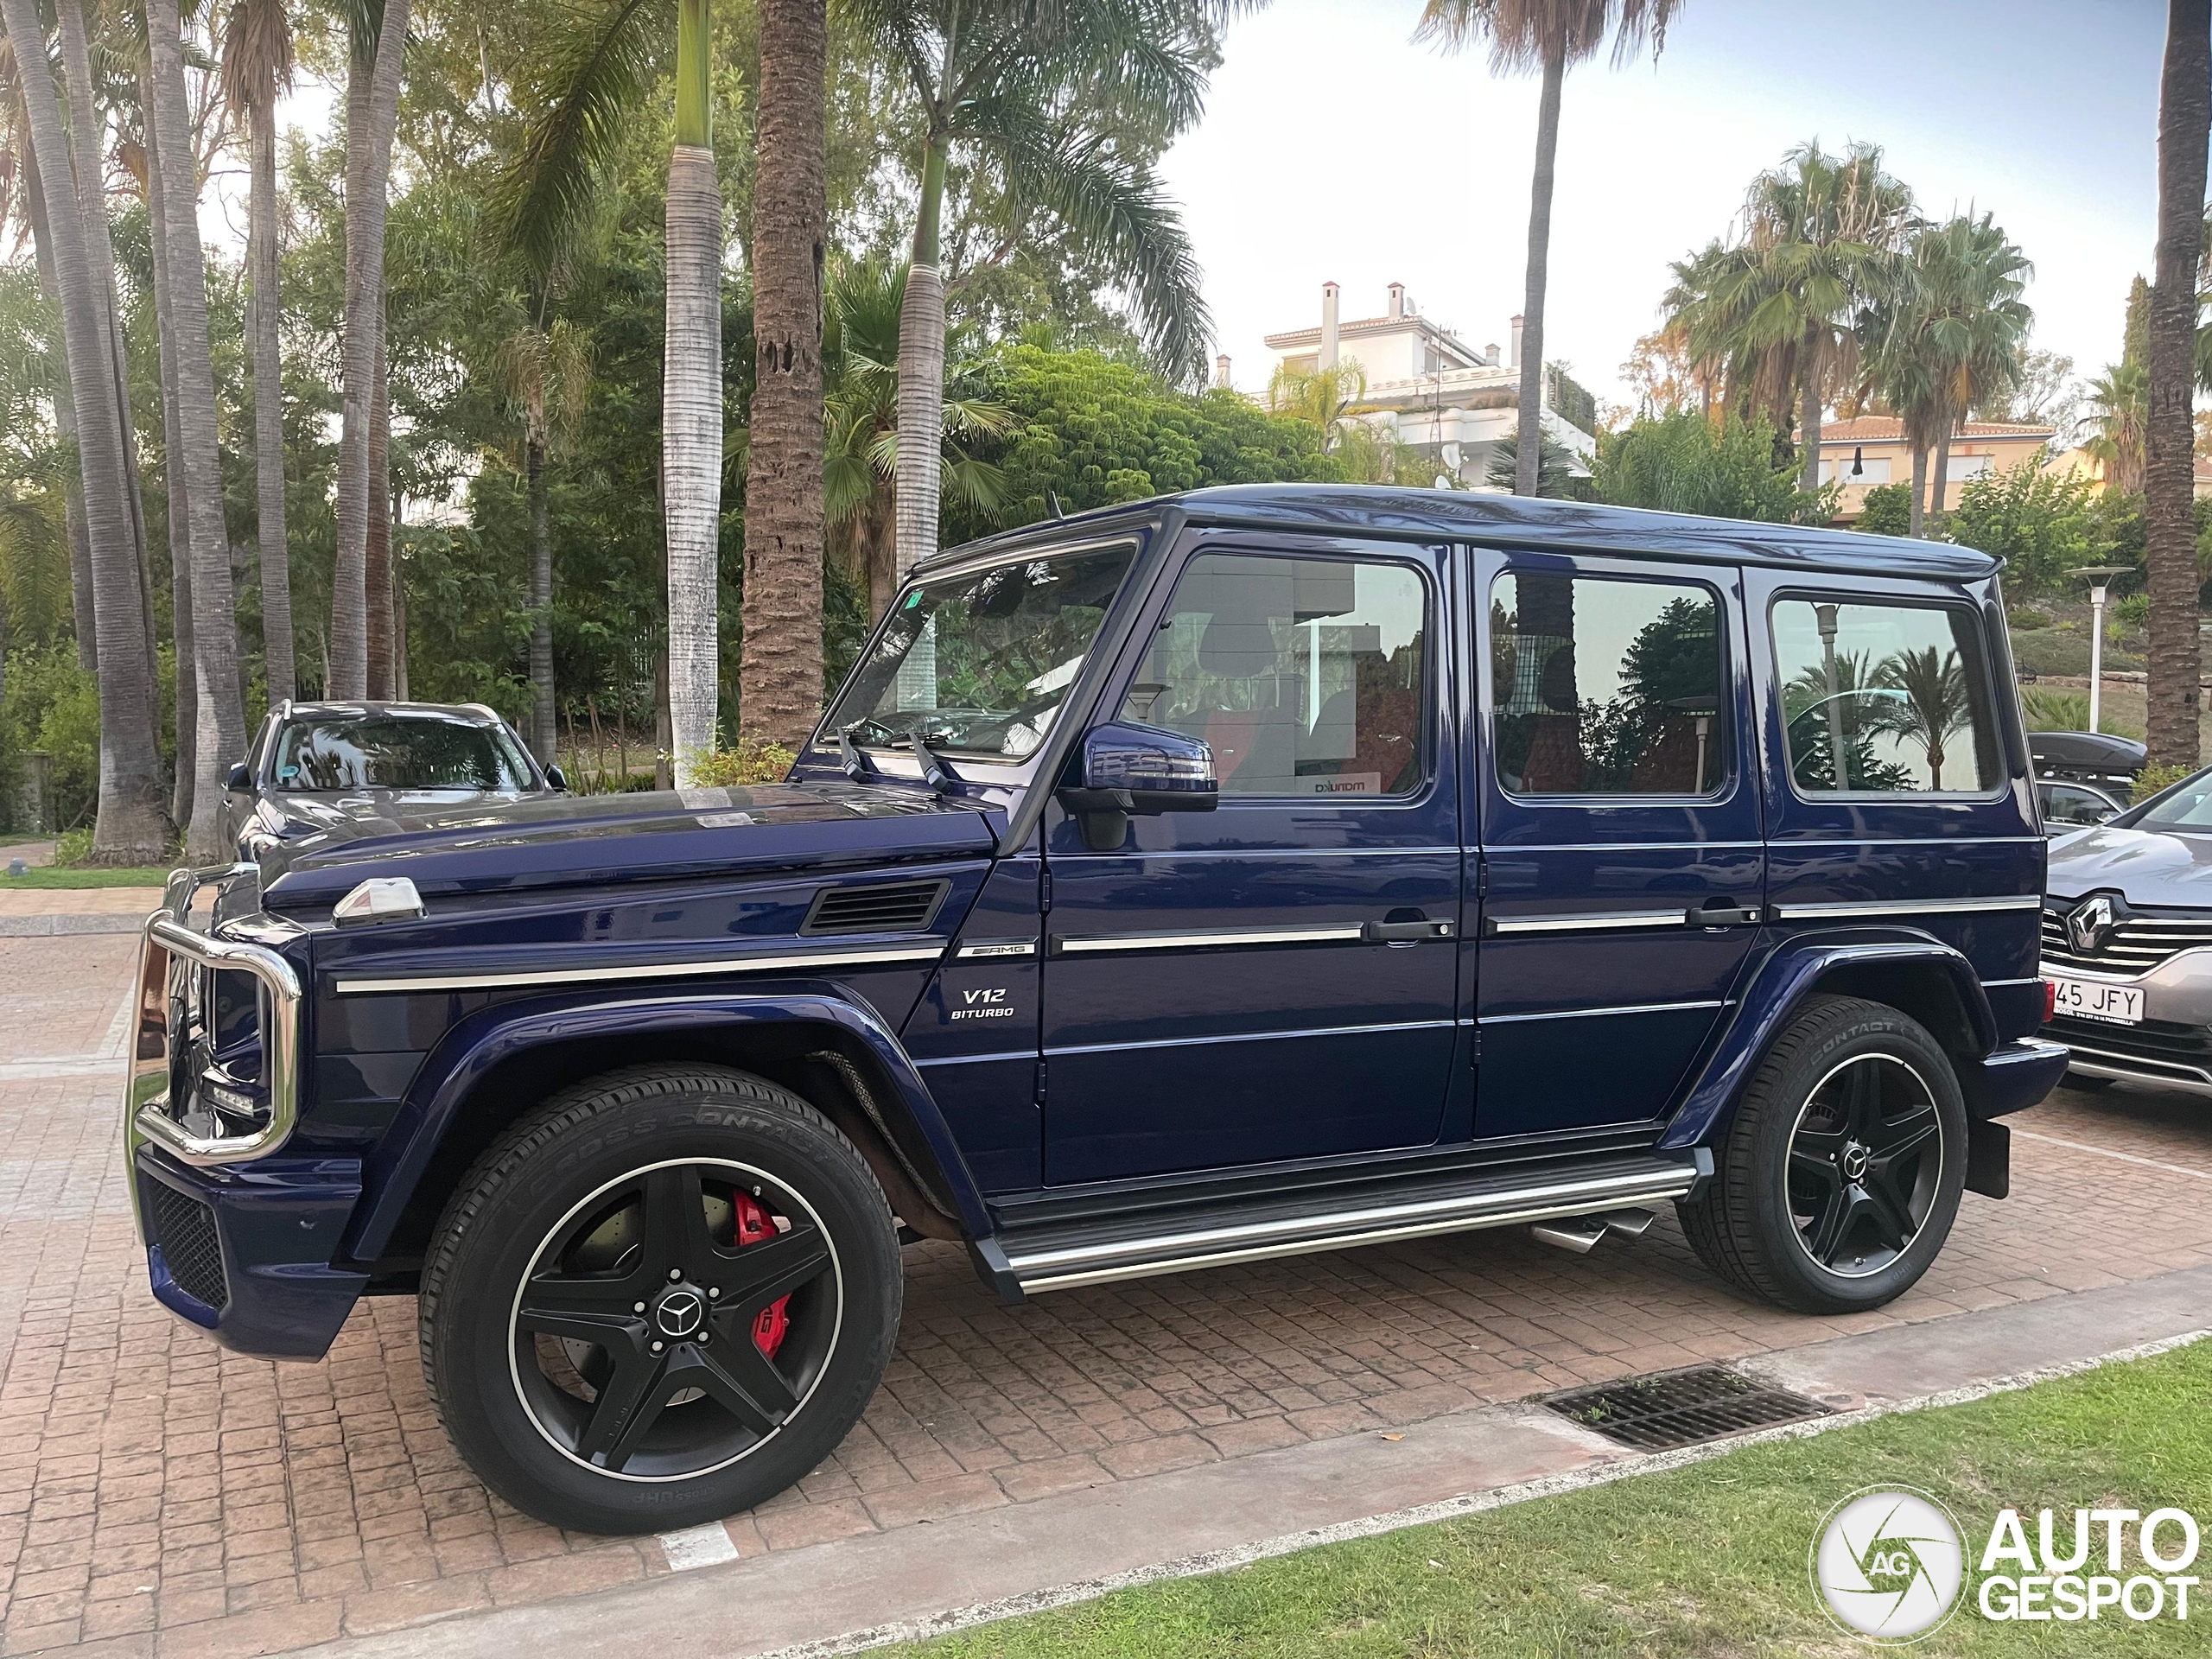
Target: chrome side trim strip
1252	1037
1591	1013
1589	924
779	961
1084	945
1176	1253
1027	1054
1904	907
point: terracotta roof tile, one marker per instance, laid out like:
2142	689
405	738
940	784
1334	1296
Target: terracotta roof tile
1887	428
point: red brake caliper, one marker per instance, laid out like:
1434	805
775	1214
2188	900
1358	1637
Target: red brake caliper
772	1323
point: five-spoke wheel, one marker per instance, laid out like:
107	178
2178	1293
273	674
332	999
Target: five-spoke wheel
1840	1175
661	1298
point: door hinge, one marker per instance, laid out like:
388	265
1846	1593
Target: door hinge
1474	1045
1040	1083
1045	887
1482	878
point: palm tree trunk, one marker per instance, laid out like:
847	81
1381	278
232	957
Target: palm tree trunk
921	376
691	405
780	685
65	422
875	526
220	739
264	323
542	731
1529	456
129	828
86	137
180	525
2184	120
1939	483
1919	487
371	112
376	561
1809	414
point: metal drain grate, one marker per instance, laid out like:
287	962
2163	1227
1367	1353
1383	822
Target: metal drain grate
1671	1408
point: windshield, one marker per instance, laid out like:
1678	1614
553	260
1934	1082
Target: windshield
977	663
388	752
2189	807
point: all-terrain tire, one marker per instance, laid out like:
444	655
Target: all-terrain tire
1741	1224
590	1140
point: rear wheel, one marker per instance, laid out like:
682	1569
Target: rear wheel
1841	1174
664	1298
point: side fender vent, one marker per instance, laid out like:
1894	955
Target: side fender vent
887	908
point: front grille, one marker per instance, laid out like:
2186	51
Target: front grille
886	907
2136	946
1670	1409
2157	1050
185	1228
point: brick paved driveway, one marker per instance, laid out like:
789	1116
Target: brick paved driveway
158	1495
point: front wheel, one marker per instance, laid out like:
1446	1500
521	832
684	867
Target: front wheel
664	1298
1841	1174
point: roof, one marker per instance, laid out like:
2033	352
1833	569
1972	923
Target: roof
473	713
1888	428
1526	521
1294	337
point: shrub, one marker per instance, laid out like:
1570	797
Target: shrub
752	761
1685	463
2152	779
2051	710
1886	510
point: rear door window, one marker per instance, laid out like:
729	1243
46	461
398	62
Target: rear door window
1885	699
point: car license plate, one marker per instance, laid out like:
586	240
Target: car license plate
2089	999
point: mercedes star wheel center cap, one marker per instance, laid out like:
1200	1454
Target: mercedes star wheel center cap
1854	1161
678	1312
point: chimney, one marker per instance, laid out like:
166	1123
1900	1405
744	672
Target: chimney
1397	300
1328	357
1514	360
1221	372
1490	353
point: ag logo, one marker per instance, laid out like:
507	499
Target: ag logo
1888	1564
2090	924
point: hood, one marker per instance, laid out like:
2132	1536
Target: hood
290	815
561	839
2150	866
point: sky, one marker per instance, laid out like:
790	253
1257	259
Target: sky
1334	149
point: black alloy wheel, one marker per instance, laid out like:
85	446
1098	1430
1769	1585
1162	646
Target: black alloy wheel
693	1303
663	1297
1863	1164
1839	1178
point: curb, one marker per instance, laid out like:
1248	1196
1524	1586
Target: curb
49	927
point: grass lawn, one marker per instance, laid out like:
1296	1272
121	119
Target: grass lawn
47	877
1707	1561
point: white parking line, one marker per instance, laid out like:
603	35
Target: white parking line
2107	1152
706	1546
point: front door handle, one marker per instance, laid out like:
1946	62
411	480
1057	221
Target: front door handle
1403	932
1719	913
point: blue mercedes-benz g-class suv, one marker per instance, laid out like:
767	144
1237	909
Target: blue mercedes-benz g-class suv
1260	870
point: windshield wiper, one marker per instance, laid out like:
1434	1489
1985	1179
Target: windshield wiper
856	764
938	776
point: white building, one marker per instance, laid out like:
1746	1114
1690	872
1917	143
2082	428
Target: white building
1431	388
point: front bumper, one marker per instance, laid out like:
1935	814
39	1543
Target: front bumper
2172	1047
240	1238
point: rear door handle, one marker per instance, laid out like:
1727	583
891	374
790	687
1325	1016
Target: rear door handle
1403	932
1725	915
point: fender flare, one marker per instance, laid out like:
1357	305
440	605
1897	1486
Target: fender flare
473	1046
1782	981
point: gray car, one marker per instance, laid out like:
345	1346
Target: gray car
2128	942
401	765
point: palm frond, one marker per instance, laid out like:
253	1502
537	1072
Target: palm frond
257	54
600	63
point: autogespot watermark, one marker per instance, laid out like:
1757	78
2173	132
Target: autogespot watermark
1890	1564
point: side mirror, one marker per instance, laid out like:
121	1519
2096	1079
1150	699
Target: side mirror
556	776
241	782
1142	771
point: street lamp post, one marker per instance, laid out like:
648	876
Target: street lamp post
2097	575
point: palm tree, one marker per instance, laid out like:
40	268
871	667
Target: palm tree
860	366
2118	412
1039	90
780	682
129	827
1547	37
1932	706
548	371
378	42
219	733
2185	126
257	66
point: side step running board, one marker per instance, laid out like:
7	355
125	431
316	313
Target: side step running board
1607	1189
